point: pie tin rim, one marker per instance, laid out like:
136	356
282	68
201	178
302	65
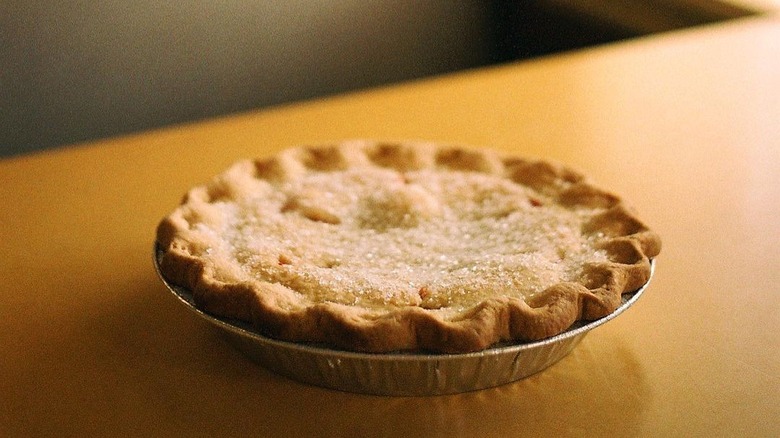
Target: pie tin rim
245	330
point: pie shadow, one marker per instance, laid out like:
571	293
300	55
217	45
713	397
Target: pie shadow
140	362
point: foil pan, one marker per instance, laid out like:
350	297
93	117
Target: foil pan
398	374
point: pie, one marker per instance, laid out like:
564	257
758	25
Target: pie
402	246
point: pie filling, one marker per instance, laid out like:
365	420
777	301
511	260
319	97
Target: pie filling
380	238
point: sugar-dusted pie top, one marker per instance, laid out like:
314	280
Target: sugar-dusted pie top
379	247
380	238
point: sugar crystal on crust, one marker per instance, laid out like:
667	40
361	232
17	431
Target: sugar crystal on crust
374	246
373	237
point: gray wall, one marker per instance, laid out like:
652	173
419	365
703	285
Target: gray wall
85	69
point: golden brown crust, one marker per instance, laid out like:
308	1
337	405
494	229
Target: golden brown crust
222	288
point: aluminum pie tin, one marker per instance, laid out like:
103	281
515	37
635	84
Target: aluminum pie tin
398	374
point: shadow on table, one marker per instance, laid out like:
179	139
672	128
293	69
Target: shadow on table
139	362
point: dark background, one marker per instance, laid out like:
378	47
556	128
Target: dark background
83	70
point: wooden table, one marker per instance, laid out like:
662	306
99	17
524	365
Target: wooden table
685	125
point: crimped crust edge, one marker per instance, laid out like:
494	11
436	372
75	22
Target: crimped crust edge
630	247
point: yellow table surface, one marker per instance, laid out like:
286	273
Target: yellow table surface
685	125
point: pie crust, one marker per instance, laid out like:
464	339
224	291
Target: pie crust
403	246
